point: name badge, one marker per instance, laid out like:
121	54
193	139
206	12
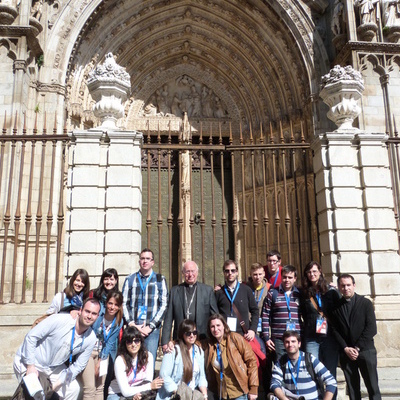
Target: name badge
103	367
322	326
142	312
259	325
290	326
231	321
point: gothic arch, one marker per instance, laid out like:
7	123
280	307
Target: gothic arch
262	59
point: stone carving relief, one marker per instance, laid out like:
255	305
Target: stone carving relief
185	95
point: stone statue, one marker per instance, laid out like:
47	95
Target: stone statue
391	13
367	10
196	110
175	106
36	10
219	110
337	18
207	109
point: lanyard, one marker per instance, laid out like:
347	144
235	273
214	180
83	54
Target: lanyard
143	288
276	278
294	378
232	299
105	334
318	296
131	382
261	293
288	304
192	363
135	369
72	344
221	370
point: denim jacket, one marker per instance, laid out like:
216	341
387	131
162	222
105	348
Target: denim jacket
111	345
172	371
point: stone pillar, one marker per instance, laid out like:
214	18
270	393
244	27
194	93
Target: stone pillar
356	217
105	183
104	201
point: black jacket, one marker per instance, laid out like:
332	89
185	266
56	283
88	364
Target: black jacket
310	314
361	330
245	303
205	306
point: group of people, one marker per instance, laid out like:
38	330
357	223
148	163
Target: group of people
221	342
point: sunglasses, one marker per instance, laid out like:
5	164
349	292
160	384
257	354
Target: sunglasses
136	341
230	271
188	334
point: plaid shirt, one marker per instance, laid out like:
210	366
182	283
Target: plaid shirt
155	298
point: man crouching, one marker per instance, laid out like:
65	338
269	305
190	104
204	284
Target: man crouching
59	347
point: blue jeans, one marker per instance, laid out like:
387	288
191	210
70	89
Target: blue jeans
326	349
279	348
151	343
113	397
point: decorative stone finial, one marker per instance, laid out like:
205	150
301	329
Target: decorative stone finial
109	85
341	90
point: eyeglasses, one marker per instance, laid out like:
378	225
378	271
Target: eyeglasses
230	271
189	272
136	341
188	334
273	261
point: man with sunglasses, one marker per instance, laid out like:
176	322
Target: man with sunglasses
189	300
235	301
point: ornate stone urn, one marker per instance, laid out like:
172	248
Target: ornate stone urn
109	85
341	90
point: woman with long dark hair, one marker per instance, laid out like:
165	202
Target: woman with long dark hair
185	364
231	366
108	283
134	368
107	327
318	298
74	294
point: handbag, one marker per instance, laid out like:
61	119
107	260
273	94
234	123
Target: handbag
184	392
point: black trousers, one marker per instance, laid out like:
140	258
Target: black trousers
366	363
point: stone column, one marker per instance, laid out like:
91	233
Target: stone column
105	183
356	211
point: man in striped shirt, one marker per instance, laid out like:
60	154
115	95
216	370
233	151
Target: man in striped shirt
281	312
297	374
145	301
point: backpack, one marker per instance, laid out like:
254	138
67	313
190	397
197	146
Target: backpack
310	369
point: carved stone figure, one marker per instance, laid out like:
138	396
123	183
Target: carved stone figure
175	106
219	110
36	10
196	110
207	108
367	10
337	18
391	13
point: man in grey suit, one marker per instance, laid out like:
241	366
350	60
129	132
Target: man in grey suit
189	300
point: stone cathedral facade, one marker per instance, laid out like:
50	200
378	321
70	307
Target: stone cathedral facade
95	95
